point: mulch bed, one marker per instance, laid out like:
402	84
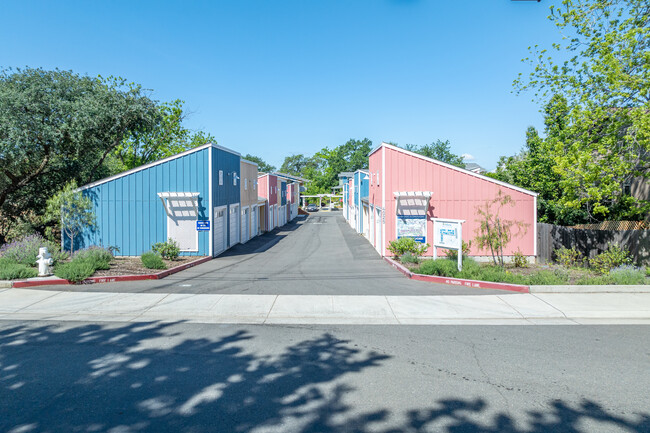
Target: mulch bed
133	266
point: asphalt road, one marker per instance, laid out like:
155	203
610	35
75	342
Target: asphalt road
83	377
317	255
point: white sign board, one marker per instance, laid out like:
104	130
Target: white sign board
448	233
412	226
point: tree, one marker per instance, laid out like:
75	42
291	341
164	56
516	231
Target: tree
165	138
439	150
262	166
600	104
296	165
72	210
494	232
56	126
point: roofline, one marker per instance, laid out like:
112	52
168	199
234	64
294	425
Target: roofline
153	164
250	162
453	167
290	177
362	170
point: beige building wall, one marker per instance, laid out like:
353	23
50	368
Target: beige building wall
248	186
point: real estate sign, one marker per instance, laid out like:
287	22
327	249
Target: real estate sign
412	226
448	233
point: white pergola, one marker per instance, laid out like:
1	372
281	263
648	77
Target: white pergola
320	198
414	200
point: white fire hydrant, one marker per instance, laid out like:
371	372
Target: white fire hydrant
44	261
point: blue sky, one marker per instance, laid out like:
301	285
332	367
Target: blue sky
274	78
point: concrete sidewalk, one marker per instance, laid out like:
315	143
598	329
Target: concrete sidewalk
551	308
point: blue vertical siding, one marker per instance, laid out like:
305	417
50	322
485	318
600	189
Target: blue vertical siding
283	193
228	193
129	213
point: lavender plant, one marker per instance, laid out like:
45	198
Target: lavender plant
25	250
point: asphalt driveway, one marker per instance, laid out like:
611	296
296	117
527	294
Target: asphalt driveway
315	255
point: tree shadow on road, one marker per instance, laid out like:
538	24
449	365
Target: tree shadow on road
150	377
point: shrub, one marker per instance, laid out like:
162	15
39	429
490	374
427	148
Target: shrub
406	245
98	257
471	269
25	250
569	257
612	257
547	277
441	267
453	254
624	275
594	281
167	250
647	271
151	260
14	271
75	270
520	261
409	258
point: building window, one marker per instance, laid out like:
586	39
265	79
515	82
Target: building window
245	184
234	178
220	177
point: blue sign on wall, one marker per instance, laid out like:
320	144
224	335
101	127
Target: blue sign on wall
203	225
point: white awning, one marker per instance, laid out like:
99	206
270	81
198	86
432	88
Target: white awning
412	202
171	202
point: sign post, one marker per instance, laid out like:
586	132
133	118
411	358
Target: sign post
448	234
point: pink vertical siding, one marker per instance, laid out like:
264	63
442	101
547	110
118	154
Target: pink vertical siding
266	188
456	194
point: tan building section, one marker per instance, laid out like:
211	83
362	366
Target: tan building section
249	203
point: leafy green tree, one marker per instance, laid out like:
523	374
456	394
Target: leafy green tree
262	165
600	138
72	210
56	126
165	138
439	150
296	165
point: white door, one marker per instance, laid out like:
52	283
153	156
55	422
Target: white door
371	225
254	222
234	224
245	225
378	230
219	231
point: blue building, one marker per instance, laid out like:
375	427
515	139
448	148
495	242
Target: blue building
192	197
360	199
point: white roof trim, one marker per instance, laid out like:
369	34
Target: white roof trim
453	167
250	162
153	164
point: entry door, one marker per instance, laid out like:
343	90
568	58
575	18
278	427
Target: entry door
219	231
378	230
253	222
245	225
234	224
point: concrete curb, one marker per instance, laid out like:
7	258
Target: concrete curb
108	279
458	281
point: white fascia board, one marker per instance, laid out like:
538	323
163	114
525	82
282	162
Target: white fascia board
155	163
462	170
250	162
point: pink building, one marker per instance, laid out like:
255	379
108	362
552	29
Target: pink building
407	185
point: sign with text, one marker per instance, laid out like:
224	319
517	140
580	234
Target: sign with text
448	233
412	226
203	225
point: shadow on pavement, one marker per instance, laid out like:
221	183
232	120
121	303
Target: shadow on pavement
145	377
265	241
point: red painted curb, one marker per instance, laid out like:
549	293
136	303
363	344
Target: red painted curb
459	281
113	278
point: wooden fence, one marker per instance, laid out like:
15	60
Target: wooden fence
591	242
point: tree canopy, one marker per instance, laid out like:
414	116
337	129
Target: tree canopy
57	126
439	150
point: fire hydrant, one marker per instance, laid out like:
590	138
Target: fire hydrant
44	261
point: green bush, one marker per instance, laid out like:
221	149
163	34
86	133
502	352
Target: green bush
25	250
611	258
647	271
626	275
75	270
441	267
471	269
453	254
546	277
569	257
409	258
519	260
589	280
15	271
98	257
167	250
151	260
407	245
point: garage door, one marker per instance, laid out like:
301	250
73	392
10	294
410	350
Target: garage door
245	225
254	222
378	230
234	224
219	231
